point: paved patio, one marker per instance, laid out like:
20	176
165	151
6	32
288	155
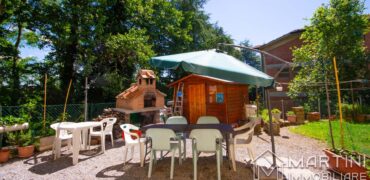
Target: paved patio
109	165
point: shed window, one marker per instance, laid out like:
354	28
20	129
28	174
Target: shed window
216	94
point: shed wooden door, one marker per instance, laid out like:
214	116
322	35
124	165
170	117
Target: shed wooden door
197	102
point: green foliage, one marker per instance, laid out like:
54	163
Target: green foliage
265	116
356	136
275	111
20	138
11	120
290	113
250	57
335	30
107	41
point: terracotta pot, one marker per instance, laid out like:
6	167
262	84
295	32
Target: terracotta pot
360	117
313	116
25	152
291	118
4	155
345	166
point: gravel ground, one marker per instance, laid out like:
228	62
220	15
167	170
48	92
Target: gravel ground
109	165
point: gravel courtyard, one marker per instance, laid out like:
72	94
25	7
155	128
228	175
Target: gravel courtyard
109	165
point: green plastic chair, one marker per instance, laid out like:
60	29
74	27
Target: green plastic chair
207	140
208	120
161	141
179	120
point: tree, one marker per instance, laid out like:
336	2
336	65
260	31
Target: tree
250	57
335	30
15	32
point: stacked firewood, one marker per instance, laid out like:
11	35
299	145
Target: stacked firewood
120	120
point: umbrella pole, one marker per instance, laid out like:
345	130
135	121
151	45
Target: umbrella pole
270	122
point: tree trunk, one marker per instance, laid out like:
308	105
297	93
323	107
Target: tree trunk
15	71
71	54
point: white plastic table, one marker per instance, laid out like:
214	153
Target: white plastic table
77	129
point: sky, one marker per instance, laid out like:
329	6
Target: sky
258	21
261	21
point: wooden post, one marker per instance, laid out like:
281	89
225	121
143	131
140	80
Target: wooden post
86	93
65	103
329	112
353	103
44	115
339	102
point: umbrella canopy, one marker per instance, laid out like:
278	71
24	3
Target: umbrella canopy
214	64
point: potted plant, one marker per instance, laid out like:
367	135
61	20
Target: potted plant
313	116
347	163
361	113
4	153
291	117
24	141
266	122
44	136
276	113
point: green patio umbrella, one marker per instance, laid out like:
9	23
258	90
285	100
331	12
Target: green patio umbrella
215	64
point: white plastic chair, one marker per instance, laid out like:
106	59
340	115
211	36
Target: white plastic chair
242	139
207	140
161	141
130	142
108	124
63	135
179	120
208	120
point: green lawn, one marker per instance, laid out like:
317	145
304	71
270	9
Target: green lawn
356	136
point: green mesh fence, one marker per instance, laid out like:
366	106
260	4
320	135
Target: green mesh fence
53	112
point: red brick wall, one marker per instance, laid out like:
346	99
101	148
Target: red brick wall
367	41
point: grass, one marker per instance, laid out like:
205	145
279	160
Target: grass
356	136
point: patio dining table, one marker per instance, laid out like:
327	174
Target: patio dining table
225	129
77	129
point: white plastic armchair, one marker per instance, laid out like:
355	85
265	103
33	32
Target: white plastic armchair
131	142
208	120
108	124
242	139
63	135
207	140
161	141
182	135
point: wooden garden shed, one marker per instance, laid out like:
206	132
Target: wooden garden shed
209	96
217	86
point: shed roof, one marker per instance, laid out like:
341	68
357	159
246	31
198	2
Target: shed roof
202	76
